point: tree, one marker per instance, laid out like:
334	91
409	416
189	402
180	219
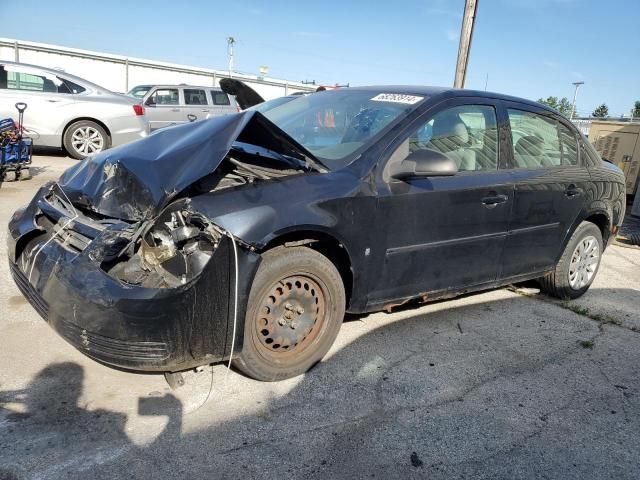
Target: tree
635	111
563	105
550	102
601	112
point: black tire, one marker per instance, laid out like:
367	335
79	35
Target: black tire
304	286
75	129
557	283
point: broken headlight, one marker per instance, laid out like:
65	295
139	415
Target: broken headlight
171	252
178	246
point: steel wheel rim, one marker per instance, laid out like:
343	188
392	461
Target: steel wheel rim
584	262
87	140
290	317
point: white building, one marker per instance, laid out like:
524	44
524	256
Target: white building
120	73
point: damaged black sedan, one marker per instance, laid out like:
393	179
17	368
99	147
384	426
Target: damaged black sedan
247	237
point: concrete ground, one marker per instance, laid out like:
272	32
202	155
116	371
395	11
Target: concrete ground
502	384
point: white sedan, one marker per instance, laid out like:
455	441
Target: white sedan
65	111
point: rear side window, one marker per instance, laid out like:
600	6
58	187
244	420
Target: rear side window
220	98
74	87
589	154
536	140
569	145
194	96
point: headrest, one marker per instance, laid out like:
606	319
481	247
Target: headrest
450	130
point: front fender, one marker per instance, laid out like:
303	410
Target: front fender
256	214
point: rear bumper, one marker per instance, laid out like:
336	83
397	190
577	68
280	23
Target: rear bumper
122	325
128	130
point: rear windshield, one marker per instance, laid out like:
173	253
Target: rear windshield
220	98
139	92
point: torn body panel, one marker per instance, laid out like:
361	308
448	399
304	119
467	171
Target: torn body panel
132	272
136	181
132	326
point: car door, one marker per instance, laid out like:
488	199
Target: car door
46	96
164	107
550	186
196	104
445	233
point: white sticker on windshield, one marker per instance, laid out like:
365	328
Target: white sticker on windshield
397	98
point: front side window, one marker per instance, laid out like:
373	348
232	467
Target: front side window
468	134
194	96
536	140
164	96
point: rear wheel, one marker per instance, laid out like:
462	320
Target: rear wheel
84	138
295	310
578	265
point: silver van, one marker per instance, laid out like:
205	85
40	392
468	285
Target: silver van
173	104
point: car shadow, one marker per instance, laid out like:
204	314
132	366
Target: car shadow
502	388
50	152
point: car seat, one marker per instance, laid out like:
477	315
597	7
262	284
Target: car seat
451	137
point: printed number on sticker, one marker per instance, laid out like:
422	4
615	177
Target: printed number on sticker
397	98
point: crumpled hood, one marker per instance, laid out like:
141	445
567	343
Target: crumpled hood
136	181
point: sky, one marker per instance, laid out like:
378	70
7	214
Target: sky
526	48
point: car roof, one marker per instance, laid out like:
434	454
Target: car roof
174	85
447	92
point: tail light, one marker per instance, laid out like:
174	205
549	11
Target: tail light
139	109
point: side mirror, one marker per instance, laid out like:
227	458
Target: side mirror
151	101
425	163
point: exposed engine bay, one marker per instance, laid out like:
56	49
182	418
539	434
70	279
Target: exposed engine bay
130	208
175	247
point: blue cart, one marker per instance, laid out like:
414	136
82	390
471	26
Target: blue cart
15	148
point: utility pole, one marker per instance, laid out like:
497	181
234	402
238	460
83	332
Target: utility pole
575	95
466	34
230	43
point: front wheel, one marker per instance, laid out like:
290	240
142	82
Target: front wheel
295	311
84	138
578	264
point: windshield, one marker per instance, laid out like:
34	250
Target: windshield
333	125
138	92
269	104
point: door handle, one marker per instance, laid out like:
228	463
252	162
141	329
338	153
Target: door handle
51	100
572	191
205	111
493	201
175	109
